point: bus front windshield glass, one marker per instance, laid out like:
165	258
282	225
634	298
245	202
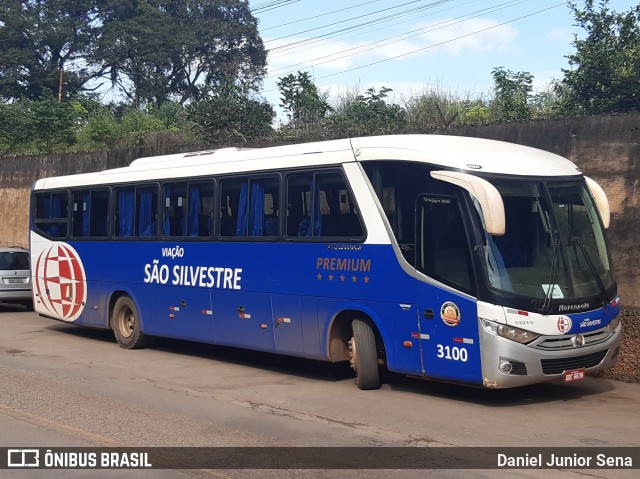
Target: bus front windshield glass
553	248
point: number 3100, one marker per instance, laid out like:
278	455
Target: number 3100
455	353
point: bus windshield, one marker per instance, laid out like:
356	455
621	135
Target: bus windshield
553	247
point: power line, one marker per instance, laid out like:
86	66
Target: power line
404	36
387	25
271	5
354	18
321	15
433	45
443	42
360	26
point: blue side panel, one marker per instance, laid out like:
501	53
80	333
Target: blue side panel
184	314
96	304
449	336
589	321
287	323
243	319
311	335
278	297
405	356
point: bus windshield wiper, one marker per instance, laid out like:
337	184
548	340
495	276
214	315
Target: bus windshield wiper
577	240
555	266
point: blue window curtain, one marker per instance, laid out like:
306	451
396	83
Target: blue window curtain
86	213
241	224
47	207
333	199
56	207
194	210
145	218
126	212
56	229
166	221
317	215
256	213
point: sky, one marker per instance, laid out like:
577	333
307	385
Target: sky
416	46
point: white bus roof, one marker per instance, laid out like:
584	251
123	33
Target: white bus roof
460	153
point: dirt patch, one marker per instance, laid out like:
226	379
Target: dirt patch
628	367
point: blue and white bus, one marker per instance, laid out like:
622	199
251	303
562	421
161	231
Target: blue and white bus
457	259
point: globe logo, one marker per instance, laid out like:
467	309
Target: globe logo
61	285
564	324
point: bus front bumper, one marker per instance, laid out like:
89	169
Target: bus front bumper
507	363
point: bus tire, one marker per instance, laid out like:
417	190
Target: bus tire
364	355
125	322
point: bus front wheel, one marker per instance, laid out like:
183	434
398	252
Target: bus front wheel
364	355
125	322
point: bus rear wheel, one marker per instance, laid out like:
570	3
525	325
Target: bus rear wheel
125	323
364	355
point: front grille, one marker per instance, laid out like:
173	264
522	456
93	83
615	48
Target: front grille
558	366
551	343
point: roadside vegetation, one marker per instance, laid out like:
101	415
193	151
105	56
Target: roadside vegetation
181	89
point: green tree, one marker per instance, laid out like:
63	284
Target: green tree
475	113
155	51
32	126
512	93
306	107
368	114
39	39
123	126
100	129
231	117
548	103
605	73
13	126
435	109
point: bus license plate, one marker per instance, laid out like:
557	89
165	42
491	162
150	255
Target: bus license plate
574	375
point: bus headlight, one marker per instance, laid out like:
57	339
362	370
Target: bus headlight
509	332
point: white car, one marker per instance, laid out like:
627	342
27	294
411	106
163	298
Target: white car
15	277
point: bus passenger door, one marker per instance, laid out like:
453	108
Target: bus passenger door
449	336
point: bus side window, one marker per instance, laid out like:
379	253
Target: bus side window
90	213
200	209
136	212
298	205
268	207
319	205
233	201
79	222
99	213
174	216
51	214
443	251
125	212
249	207
146	211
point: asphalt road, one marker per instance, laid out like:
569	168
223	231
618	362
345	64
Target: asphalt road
62	385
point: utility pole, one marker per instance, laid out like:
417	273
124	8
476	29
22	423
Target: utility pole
60	85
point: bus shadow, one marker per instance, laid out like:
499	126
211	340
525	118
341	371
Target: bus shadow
337	372
519	396
103	335
295	366
307	368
